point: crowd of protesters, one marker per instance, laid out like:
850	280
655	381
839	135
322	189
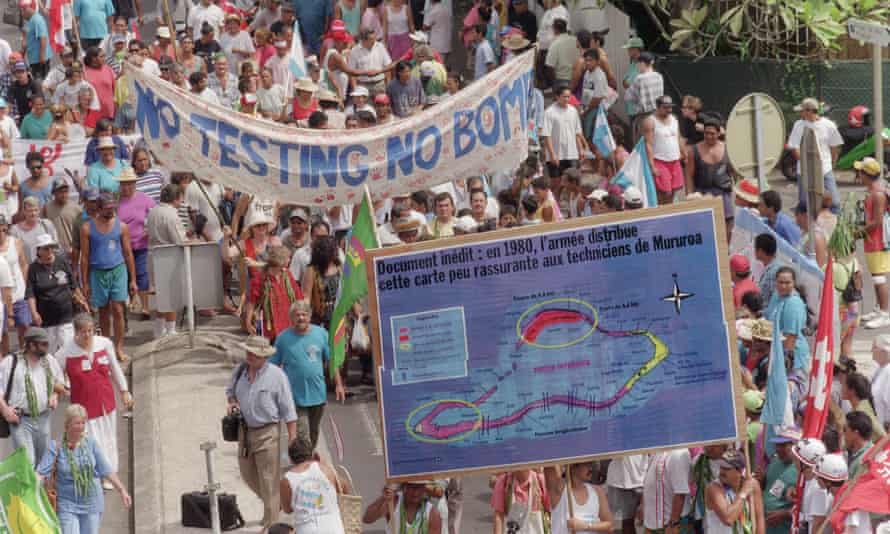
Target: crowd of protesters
78	244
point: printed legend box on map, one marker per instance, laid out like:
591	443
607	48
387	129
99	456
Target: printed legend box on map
430	345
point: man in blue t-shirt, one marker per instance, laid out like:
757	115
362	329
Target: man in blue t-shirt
314	17
37	49
301	352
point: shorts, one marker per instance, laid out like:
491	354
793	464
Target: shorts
108	285
623	502
670	176
21	312
140	258
878	262
555	170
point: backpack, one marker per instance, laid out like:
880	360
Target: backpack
853	291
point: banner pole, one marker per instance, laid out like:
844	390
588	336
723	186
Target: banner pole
168	19
570	497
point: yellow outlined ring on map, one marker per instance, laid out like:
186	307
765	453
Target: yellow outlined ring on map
452	439
560	345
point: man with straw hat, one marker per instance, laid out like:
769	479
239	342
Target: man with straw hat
262	395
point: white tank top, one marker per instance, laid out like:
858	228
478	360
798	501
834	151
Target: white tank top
12	257
341	77
11	205
713	525
397	20
666	141
314	501
589	511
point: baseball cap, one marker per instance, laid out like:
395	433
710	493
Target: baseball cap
59	183
118	38
732	459
634	42
739	264
19	66
360	90
35	333
810	104
633	195
300	213
869	166
107	200
91	194
788	434
598	194
753	400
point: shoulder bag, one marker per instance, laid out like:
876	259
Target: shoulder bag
232	422
4	424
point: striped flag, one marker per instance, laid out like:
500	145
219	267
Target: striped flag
636	171
296	66
60	20
602	134
777	409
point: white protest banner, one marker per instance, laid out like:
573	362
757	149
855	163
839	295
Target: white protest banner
479	130
59	159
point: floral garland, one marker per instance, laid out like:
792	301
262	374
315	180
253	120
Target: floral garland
31	393
81	465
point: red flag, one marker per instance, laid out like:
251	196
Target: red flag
821	372
870	491
57	24
822	367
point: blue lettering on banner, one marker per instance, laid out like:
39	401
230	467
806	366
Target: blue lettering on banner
488	138
401	153
362	169
462	130
515	95
247	142
314	163
284	159
428	164
153	113
226	148
203	125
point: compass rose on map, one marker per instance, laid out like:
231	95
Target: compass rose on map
677	296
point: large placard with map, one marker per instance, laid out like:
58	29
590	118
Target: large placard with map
590	338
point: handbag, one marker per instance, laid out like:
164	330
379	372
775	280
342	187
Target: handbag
232	422
350	505
50	486
4	424
196	510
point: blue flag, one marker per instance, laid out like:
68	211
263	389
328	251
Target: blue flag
602	134
296	66
636	171
777	409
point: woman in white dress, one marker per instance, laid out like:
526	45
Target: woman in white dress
590	508
734	500
309	491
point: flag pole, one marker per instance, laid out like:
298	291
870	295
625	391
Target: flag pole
168	19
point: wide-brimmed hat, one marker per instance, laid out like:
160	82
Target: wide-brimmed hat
259	346
743	328
869	166
748	190
424	482
762	329
127	175
788	434
59	183
256	217
809	450
360	90
35	333
598	194
633	195
106	142
305	84
515	41
45	240
163	32
405	225
326	95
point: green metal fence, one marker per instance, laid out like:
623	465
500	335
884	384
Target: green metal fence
720	82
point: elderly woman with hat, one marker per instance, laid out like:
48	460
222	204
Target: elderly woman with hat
255	247
133	208
261	392
104	172
734	503
272	292
92	368
408	509
52	290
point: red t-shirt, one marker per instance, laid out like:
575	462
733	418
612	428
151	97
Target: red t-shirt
741	287
301	113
